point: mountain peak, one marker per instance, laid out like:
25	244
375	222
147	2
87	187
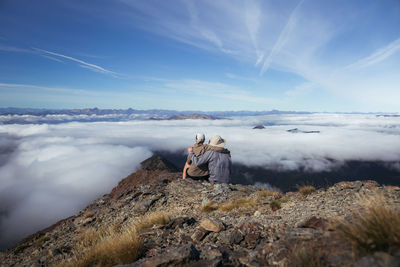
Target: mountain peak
183	222
158	163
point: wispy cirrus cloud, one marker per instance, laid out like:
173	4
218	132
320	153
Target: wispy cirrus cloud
82	63
16	86
300	37
377	56
283	37
58	58
9	48
219	90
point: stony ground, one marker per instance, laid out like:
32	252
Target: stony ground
256	233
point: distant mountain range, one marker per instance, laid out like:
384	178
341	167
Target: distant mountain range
53	116
13	115
161	112
194	116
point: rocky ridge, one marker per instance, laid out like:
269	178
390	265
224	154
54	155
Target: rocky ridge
255	233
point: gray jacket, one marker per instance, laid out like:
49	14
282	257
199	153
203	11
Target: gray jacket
219	163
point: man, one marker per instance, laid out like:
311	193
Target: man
217	158
191	170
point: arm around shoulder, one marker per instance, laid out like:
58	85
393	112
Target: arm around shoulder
202	159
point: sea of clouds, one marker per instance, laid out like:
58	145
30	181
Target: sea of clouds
51	171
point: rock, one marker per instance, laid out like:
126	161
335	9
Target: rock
212	225
213	254
158	163
252	237
303	234
142	206
259	127
177	256
199	234
250	228
272	217
252	240
314	223
356	185
88	221
236	237
180	222
379	259
208	263
221	193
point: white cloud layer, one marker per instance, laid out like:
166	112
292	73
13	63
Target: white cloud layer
48	172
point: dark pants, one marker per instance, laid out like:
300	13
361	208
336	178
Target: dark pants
199	178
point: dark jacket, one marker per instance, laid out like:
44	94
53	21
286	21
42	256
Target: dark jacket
219	163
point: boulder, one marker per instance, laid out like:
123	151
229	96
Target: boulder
379	259
177	256
212	225
314	223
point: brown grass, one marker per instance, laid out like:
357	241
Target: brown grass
41	240
209	206
111	246
89	214
264	193
306	190
275	205
376	227
150	220
111	250
245	203
305	256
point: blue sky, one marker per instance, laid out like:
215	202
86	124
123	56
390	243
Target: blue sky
201	55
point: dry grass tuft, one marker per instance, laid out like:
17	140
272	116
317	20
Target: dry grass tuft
245	203
264	193
305	256
89	214
275	205
114	245
92	236
151	219
41	240
306	190
209	206
111	250
376	227
277	195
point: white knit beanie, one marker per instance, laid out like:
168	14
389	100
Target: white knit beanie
200	137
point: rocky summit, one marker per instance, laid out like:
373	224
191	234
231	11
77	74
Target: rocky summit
209	225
